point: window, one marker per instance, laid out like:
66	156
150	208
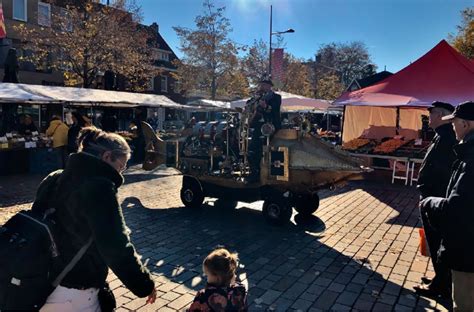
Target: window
19	10
164	56
44	14
24	58
164	84
65	20
152	84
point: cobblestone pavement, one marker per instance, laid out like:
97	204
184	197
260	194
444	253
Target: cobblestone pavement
359	251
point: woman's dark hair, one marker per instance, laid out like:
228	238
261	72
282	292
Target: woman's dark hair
222	264
96	142
80	120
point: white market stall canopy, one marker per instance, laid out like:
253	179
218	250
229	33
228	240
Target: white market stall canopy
25	93
15	93
210	105
294	103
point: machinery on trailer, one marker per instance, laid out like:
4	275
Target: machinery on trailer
294	166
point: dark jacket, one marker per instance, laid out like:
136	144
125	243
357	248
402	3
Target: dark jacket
456	210
274	114
86	204
435	170
72	135
27	129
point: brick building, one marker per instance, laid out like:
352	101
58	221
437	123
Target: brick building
38	13
35	14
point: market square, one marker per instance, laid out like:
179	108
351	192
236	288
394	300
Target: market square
236	155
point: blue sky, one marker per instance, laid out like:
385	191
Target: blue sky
396	32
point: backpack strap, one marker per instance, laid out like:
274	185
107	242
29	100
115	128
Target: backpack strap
72	263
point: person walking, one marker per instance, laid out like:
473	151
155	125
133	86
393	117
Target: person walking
453	214
433	180
87	211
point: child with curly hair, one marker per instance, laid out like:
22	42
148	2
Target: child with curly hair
222	292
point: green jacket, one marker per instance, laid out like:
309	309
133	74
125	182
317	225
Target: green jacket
85	198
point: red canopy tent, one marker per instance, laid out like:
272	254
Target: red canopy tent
442	74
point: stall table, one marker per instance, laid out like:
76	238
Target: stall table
409	162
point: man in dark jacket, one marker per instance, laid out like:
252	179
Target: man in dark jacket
453	215
433	180
268	111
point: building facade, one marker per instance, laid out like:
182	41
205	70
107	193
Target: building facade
33	13
165	60
38	13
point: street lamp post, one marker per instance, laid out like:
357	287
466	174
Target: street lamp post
290	30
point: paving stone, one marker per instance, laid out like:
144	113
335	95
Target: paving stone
382	307
283	284
340	307
295	291
326	300
302	304
347	298
270	296
402	308
321	281
355	288
135	304
265	284
182	302
315	289
336	287
308	296
364	302
170	296
282	304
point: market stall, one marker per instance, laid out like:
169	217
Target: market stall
32	152
390	118
320	114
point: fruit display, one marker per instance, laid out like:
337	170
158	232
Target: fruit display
389	146
355	144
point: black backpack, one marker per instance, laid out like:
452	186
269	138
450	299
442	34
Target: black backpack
28	254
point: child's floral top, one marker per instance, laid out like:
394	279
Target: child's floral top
213	298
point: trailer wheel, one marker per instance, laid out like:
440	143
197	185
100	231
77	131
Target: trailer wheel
306	205
192	195
277	211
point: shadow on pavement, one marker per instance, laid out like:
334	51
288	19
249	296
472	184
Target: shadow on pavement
285	267
401	198
18	190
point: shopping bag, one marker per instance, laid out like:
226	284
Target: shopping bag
424	250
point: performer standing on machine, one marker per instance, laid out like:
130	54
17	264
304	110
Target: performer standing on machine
266	111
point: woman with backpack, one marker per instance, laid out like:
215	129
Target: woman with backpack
89	216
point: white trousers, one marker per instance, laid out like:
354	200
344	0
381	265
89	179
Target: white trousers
64	299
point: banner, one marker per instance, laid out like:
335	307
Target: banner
3	30
277	66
